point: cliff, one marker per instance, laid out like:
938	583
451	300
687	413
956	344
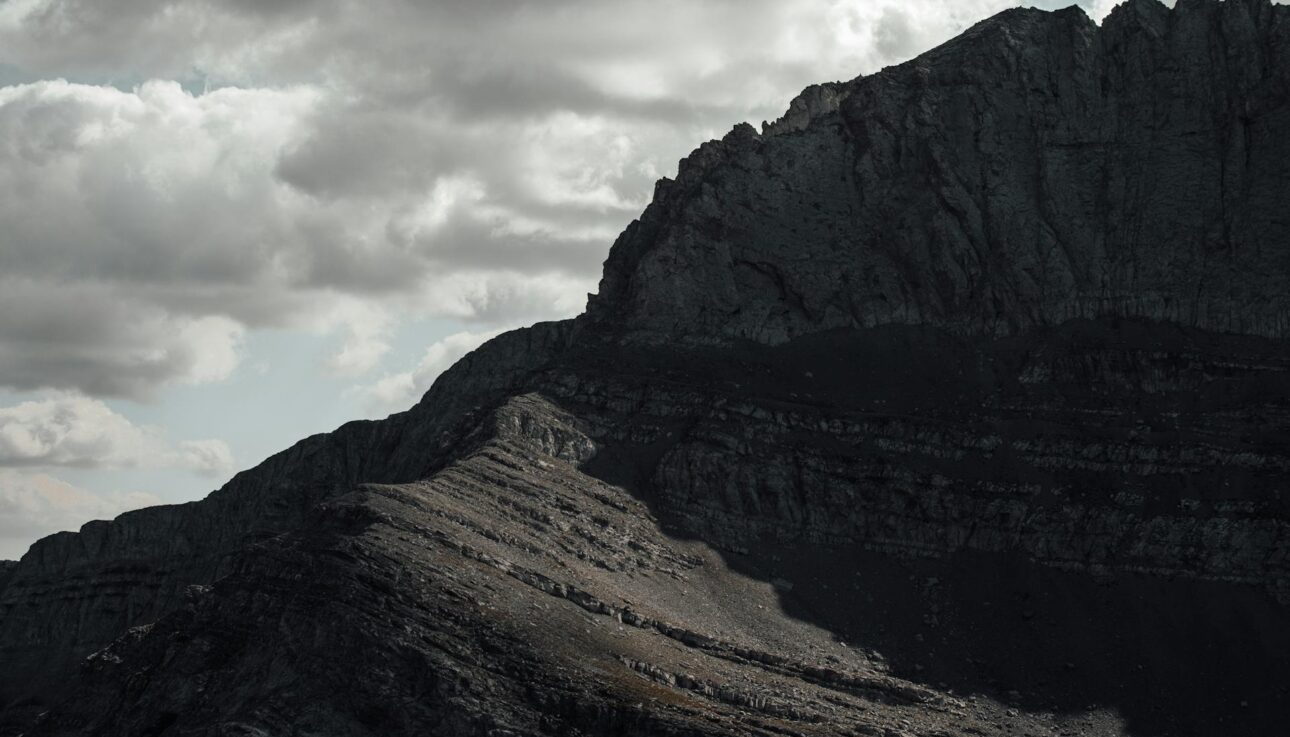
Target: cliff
956	401
1034	170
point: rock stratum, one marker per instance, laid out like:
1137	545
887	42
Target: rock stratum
954	402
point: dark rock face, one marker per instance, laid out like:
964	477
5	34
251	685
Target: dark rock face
72	594
1034	170
956	402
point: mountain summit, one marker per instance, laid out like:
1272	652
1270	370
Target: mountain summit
954	402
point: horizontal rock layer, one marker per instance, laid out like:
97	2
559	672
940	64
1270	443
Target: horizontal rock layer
73	593
1169	457
511	593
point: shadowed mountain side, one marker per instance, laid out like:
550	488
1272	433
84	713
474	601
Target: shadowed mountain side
511	593
976	365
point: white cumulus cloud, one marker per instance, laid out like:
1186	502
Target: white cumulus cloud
33	505
77	431
398	391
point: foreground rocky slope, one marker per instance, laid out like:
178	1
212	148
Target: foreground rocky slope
957	401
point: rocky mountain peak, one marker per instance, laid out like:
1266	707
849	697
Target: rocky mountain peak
956	401
997	183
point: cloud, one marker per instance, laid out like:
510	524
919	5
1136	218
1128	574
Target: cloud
145	231
133	228
103	340
33	505
398	391
204	457
366	331
66	430
1099	9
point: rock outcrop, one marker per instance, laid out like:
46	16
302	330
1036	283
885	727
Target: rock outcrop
1034	170
956	401
73	593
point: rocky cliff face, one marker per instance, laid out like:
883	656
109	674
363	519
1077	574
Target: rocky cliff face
956	401
1034	170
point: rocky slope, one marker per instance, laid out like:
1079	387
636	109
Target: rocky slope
1034	170
956	401
72	594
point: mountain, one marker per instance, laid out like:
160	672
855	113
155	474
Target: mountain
954	402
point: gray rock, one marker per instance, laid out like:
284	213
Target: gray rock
1034	170
1010	318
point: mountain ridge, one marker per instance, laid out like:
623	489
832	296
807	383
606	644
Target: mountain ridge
950	199
744	405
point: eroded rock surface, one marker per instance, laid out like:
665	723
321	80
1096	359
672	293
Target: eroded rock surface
1033	170
955	402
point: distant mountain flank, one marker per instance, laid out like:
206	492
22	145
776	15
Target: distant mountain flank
954	402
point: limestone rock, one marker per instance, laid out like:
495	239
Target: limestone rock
1034	170
954	402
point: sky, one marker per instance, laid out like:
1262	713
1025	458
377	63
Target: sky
227	225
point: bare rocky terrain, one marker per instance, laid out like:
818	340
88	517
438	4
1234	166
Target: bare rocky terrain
954	402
